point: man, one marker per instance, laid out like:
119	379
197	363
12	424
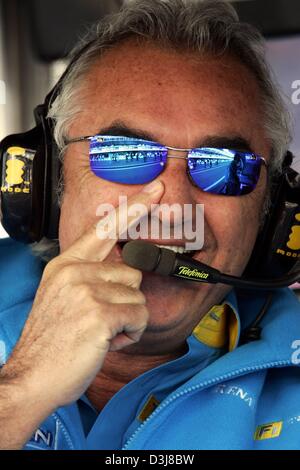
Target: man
108	357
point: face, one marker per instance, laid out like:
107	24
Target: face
182	101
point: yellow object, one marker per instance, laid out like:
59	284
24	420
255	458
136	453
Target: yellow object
148	408
219	327
14	171
268	431
294	240
13	151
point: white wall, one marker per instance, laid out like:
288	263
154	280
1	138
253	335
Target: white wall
3	234
284	57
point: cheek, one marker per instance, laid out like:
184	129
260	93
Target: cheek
234	224
83	194
78	212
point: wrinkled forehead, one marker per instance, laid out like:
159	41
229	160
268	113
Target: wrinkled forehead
167	91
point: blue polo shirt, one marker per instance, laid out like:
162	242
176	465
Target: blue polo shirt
218	395
134	403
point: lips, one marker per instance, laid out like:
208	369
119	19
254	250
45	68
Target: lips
173	245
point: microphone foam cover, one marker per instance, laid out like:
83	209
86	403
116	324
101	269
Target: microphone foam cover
141	255
149	257
166	262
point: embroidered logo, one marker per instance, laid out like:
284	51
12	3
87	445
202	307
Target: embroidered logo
268	431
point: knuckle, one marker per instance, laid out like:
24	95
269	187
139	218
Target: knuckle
105	271
84	292
65	273
50	268
56	267
136	276
126	294
112	270
94	317
143	312
141	299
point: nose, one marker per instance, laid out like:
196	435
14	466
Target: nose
178	187
178	200
182	204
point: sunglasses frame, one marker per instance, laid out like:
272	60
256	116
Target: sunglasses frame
168	148
175	149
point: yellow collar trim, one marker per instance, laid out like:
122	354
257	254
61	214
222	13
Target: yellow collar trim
219	328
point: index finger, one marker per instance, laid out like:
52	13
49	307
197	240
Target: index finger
96	244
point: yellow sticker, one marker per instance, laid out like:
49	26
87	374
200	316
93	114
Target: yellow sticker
13	151
148	408
268	431
294	238
14	171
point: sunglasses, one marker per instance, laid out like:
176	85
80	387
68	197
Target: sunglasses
130	160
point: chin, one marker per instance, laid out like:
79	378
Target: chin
171	301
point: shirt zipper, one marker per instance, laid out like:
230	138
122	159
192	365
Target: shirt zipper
206	383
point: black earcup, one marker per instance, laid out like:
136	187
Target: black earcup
277	248
52	165
29	178
22	176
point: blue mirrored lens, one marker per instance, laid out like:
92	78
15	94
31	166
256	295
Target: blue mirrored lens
224	171
126	160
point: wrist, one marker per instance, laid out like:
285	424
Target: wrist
23	408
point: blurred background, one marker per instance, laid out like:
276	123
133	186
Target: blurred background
37	35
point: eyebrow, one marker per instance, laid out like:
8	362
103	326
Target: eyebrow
234	142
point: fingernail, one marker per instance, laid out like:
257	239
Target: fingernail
153	187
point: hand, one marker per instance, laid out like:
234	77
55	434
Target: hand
84	307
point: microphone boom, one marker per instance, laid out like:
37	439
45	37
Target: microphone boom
149	257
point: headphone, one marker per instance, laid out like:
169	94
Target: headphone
31	169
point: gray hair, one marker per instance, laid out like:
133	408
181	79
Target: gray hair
208	26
